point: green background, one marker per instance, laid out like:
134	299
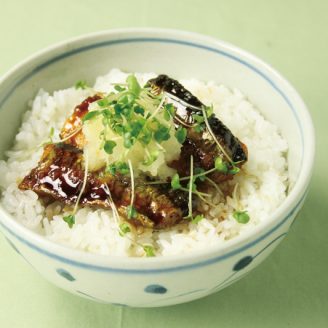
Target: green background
290	289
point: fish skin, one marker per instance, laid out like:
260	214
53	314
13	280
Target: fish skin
199	144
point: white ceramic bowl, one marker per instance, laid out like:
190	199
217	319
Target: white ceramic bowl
147	282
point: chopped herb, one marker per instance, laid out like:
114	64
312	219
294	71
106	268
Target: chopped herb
149	250
70	220
181	134
197	218
175	182
81	84
90	115
109	146
124	229
241	216
220	166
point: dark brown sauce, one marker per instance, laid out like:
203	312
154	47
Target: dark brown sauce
74	122
60	174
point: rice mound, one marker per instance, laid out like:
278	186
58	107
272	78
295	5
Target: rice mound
259	188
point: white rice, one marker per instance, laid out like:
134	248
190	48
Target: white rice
262	184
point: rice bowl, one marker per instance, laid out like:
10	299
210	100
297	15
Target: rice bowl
161	280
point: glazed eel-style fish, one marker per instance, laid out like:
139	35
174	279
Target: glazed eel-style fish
199	144
60	172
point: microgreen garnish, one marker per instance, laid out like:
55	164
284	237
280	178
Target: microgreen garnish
133	85
220	165
162	133
149	250
234	170
197	218
133	115
151	158
200	174
214	185
181	134
198	128
139	110
119	88
198	118
131	212
241	216
118	167
169	111
82	84
70	220
128	140
103	102
109	146
90	115
175	182
209	111
124	229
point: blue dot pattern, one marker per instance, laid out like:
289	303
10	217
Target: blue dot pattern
244	262
155	289
65	274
